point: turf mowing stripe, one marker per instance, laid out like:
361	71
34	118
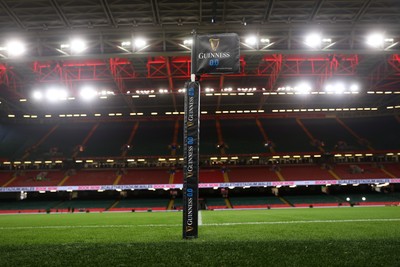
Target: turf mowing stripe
206	224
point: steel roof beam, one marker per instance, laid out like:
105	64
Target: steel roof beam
60	13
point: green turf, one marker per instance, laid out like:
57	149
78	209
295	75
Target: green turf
368	236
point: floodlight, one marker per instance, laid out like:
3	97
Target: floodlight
126	44
302	88
354	88
54	94
251	40
313	40
188	42
15	48
375	40
339	88
78	46
140	42
37	95
87	93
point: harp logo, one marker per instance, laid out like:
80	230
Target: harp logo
214	43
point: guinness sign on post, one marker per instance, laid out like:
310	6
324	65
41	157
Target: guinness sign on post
216	54
211	54
191	160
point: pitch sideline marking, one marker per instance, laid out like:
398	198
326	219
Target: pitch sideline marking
200	220
206	224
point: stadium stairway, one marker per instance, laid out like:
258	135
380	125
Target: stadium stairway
219	133
13	178
228	203
56	206
388	173
117	179
175	137
300	123
337	177
264	134
131	136
226	177
113	205
286	201
87	138
280	176
40	141
66	177
352	132
171	178
170	204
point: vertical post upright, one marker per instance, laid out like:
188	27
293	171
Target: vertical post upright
191	136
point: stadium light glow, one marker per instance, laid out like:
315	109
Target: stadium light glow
88	93
15	48
126	44
78	46
37	95
251	40
140	43
313	40
375	40
54	94
341	88
188	42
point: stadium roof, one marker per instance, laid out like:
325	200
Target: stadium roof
275	70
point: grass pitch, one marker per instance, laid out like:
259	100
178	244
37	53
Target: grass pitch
368	236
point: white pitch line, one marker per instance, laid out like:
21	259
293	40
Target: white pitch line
200	220
303	222
206	224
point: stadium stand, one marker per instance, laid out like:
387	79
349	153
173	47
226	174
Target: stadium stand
81	140
257	202
333	135
384	135
287	135
19	139
84	205
149	142
313	200
63	142
27	206
208	137
251	174
358	171
91	177
141	204
242	137
36	178
304	173
145	176
112	136
215	203
371	198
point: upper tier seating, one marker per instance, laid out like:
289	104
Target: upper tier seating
381	132
287	135
242	137
334	136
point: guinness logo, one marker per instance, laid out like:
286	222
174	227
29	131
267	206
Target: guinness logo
214	42
189	228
